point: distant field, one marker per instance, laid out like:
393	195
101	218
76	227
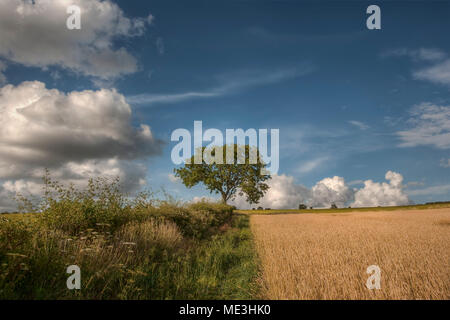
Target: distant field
411	207
325	256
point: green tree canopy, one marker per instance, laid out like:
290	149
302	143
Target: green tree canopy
244	171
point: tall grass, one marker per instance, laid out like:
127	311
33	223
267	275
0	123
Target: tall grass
139	248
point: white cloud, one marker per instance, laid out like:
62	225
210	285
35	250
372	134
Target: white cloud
204	199
173	178
228	84
445	163
438	73
382	194
76	135
430	125
359	124
34	33
282	194
329	191
312	164
421	54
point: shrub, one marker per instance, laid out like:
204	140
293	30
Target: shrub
72	210
126	248
198	220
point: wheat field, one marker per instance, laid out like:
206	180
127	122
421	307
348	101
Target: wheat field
325	256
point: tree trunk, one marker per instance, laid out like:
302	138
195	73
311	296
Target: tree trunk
224	198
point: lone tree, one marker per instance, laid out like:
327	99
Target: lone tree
244	171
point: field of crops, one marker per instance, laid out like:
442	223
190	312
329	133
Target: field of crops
340	210
325	256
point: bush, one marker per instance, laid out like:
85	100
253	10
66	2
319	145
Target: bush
198	220
73	211
126	248
302	207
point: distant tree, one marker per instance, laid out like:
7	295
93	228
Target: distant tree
333	206
302	206
260	208
227	178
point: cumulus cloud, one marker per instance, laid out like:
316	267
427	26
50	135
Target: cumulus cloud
329	191
76	135
284	193
34	33
429	125
382	194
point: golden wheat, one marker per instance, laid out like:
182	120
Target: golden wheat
325	256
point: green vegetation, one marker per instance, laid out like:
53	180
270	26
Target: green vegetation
226	170
338	210
126	248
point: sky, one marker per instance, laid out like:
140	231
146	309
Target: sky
363	115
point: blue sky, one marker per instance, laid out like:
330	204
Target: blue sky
340	94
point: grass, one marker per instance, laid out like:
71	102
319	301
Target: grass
343	210
144	248
223	267
325	256
126	249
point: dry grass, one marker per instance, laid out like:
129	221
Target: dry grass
325	256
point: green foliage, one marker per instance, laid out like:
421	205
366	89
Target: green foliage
198	220
138	248
230	176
